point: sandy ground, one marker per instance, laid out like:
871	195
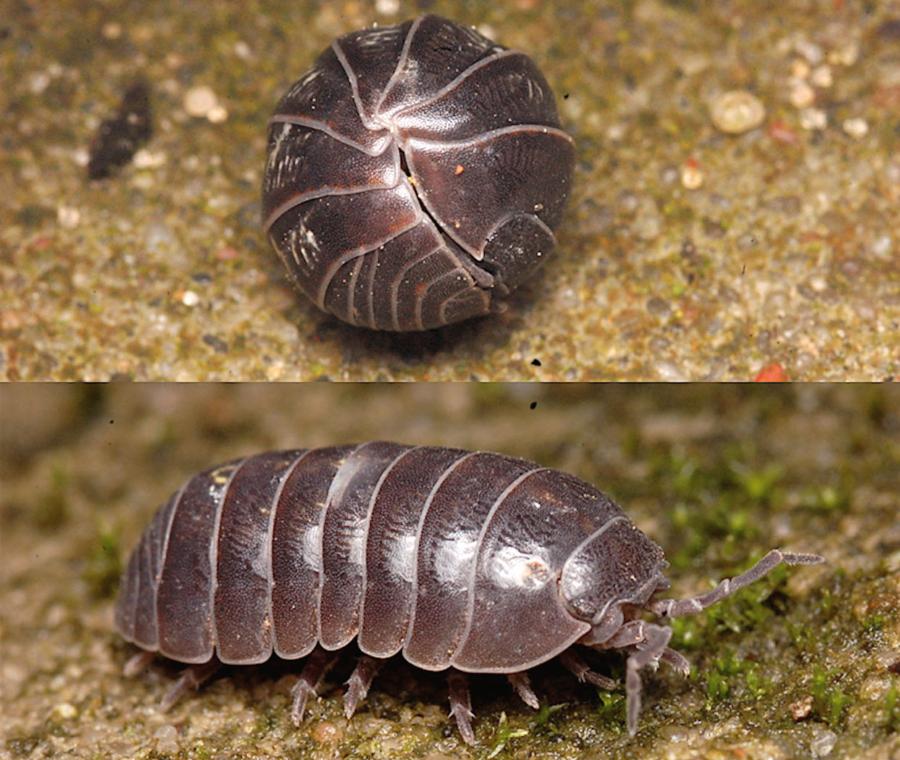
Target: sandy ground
688	251
803	664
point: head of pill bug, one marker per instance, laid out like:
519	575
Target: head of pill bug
415	175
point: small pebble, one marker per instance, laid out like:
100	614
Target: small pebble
800	69
857	128
801	94
845	55
68	217
802	708
882	246
821	76
166	738
326	732
668	372
772	373
813	118
809	50
617	131
200	101
65	711
217	115
691	175
824	742
387	7
737	111
38	82
112	30
190	298
145	159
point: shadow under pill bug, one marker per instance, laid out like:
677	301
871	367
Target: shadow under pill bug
415	175
464	562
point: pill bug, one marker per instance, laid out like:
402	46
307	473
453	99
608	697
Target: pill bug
466	562
415	175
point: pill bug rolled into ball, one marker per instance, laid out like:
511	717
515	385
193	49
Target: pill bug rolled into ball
415	175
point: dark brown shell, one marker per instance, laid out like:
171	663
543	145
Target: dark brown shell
458	559
415	174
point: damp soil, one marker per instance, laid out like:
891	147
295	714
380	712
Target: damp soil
686	252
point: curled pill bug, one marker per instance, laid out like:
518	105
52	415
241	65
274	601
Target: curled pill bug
464	562
415	175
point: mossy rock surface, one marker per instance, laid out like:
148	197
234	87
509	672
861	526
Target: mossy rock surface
797	664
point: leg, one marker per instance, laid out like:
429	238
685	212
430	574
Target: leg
314	670
647	652
629	635
191	678
676	660
359	682
461	705
137	664
679	607
579	668
522	685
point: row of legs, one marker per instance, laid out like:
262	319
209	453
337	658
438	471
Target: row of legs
320	662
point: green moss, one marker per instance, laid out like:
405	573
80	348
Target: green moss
103	566
829	699
730	674
826	498
503	734
611	709
892	708
52	507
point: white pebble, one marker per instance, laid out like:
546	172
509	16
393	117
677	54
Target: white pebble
691	176
166	738
857	128
242	50
882	246
801	94
813	118
824	742
199	101
800	69
65	711
217	114
821	76
81	156
387	7
112	30
617	131
145	159
737	111
68	217
845	55
38	82
809	50
190	298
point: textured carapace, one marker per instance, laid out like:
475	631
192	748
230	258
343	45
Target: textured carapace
468	561
415	174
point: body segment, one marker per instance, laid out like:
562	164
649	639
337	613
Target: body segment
415	174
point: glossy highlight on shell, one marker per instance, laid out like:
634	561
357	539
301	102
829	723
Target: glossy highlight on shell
461	561
415	175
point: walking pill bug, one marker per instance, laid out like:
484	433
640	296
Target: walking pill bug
415	175
466	562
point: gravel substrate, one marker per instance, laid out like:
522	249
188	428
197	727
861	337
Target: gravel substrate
736	197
